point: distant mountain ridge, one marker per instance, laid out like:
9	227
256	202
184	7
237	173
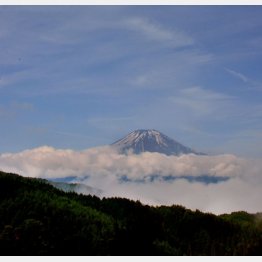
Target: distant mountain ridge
151	140
75	187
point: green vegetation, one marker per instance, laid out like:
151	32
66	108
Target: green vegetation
38	219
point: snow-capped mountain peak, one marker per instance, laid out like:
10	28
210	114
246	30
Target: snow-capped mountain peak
150	140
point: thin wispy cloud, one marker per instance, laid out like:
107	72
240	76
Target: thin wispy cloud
200	101
252	85
238	75
156	32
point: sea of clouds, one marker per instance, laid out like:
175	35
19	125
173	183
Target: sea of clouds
104	168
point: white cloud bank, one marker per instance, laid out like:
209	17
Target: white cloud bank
102	168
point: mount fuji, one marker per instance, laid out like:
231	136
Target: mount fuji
150	140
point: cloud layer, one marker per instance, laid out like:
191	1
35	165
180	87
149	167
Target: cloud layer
104	168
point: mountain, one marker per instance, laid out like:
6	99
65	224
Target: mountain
150	140
38	219
76	187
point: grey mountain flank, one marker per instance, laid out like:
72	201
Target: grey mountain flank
150	140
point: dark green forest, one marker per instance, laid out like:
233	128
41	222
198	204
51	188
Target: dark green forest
38	219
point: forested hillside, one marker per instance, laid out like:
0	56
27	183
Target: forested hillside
38	219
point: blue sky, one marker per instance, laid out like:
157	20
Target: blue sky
84	76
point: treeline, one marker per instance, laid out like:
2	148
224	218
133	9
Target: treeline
38	219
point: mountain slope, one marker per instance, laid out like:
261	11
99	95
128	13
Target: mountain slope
150	140
76	187
38	219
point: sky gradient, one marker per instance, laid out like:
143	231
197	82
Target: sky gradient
83	76
74	79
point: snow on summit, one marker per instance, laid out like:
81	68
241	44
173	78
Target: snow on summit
150	140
